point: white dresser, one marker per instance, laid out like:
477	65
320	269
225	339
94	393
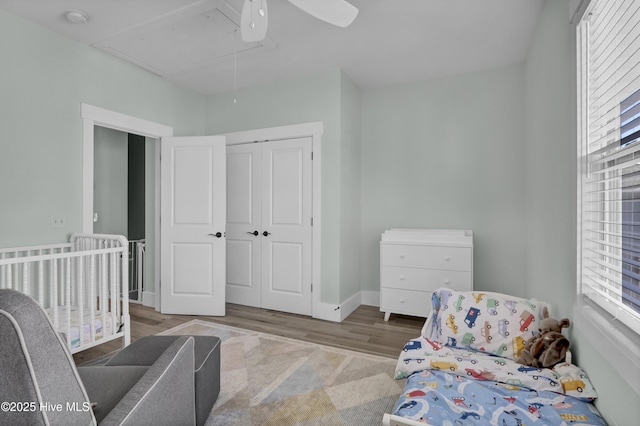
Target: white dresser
415	262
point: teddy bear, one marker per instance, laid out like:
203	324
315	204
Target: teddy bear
549	347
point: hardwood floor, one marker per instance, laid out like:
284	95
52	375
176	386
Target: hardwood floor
364	330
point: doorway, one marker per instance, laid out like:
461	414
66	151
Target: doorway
121	191
93	117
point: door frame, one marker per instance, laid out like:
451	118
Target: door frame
313	130
95	116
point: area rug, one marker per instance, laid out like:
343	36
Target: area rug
273	380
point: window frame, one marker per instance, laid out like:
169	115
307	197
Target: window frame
616	342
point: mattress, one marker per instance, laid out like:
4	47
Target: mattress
103	324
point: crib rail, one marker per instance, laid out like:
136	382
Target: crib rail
83	285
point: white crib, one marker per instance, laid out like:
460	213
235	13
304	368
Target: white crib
82	285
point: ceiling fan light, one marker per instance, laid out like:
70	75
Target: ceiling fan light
253	21
76	16
336	12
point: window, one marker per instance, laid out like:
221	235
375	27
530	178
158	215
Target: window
608	66
630	134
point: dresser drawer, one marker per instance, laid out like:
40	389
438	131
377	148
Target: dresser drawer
431	257
423	279
407	302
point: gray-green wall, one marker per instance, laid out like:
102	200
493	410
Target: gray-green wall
44	78
110	185
350	187
448	153
550	170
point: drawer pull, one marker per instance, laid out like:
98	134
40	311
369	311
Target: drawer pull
401	300
401	277
401	255
447	258
447	281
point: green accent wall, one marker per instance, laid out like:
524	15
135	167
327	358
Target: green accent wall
551	178
350	187
110	183
45	77
448	154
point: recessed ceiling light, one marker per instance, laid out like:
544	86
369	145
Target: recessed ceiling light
77	16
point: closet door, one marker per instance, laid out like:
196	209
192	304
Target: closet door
244	224
286	225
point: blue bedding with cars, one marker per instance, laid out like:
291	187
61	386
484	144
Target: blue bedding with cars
460	376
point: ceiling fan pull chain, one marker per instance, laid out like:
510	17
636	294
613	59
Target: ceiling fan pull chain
235	65
252	24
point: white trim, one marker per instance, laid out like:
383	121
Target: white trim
95	116
370	298
317	221
577	9
350	305
616	343
126	123
314	130
87	175
156	249
621	351
326	311
338	313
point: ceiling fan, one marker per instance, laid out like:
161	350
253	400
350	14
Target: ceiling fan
254	18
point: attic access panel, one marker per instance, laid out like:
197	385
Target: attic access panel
186	39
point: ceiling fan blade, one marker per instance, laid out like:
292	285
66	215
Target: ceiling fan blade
253	20
335	12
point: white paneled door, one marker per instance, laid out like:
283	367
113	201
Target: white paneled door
244	224
193	182
269	207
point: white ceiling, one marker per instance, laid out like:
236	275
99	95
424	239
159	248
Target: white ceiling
192	42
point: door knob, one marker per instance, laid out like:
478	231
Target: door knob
265	233
253	233
217	235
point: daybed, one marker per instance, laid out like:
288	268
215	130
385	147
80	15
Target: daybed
461	369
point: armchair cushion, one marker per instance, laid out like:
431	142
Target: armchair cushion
107	386
165	394
145	351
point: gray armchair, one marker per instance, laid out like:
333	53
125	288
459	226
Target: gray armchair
40	384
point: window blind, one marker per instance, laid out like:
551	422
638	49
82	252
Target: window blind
608	62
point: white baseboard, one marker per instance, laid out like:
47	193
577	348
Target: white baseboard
148	298
350	305
336	313
327	312
370	298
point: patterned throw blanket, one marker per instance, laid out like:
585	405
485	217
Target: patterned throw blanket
459	387
461	370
